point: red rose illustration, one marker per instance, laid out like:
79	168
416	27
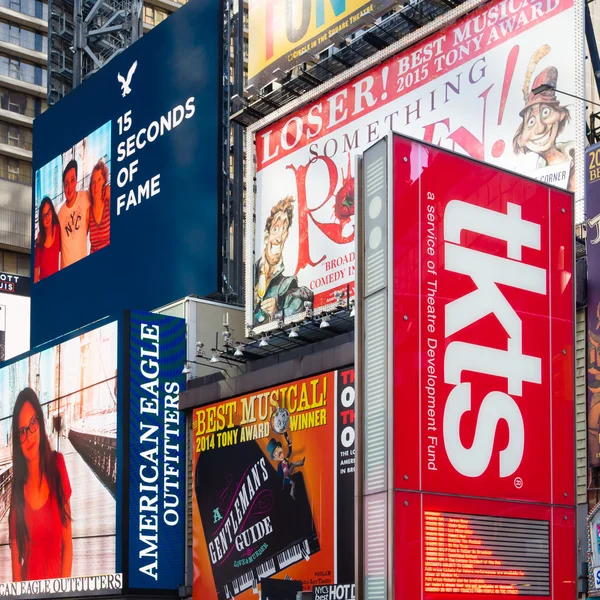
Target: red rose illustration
344	198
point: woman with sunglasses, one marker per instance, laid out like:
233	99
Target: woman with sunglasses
40	514
47	246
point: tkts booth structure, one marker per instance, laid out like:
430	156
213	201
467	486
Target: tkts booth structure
468	417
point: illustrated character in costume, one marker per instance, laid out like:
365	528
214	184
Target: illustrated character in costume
276	295
285	468
544	119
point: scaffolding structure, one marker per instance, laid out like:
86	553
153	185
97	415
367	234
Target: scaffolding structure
84	35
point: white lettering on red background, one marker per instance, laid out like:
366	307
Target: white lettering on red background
487	273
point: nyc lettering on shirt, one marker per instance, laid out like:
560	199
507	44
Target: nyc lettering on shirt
74	223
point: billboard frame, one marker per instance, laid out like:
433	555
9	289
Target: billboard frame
445	20
209	92
239	393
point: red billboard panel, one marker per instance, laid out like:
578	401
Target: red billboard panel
451	548
483	330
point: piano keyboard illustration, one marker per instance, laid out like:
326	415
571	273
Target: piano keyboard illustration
294	554
283	560
243	582
266	569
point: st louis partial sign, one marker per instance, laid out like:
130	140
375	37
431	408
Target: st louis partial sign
127	179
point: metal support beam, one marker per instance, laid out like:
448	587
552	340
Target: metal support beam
236	275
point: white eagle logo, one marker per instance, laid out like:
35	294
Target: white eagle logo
125	82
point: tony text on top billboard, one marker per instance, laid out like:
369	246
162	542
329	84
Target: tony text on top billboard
126	180
483	86
282	32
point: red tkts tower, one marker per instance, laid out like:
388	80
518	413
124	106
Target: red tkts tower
465	339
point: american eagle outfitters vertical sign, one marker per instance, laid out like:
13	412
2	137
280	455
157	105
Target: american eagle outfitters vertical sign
156	452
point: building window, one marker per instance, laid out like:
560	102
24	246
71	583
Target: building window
23	37
23	264
154	16
33	8
18	263
14	135
23	71
17	102
15	170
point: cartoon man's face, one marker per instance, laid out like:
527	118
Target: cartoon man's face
540	127
278	454
275	238
70	185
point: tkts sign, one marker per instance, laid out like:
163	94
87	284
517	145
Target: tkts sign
485	313
467	88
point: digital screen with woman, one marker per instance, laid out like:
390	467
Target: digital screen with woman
40	532
58	427
72	204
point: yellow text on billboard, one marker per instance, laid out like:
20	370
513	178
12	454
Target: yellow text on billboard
281	31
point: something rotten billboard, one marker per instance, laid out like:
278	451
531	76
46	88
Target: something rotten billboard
483	369
126	182
281	32
468	88
274	488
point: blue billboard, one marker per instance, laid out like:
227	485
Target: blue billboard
156	494
126	189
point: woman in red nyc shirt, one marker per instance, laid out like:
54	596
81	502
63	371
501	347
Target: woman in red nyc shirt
40	514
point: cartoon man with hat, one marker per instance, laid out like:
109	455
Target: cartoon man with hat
285	468
544	119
